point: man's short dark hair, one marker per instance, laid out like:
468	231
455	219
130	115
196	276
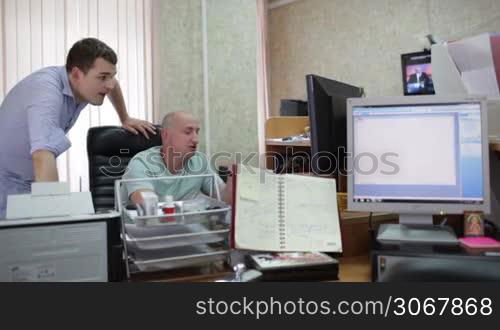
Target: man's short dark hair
84	52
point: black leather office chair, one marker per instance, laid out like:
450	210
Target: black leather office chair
110	149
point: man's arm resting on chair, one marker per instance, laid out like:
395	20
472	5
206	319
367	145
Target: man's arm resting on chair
44	166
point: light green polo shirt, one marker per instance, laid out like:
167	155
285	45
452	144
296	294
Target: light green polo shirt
149	164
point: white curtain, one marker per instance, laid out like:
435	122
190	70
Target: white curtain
39	33
262	75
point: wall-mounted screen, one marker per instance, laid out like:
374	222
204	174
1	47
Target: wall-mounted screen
417	73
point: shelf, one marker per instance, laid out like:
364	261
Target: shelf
278	127
306	143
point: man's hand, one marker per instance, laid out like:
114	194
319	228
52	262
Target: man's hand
130	124
136	196
137	125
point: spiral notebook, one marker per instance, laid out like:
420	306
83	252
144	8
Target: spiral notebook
273	212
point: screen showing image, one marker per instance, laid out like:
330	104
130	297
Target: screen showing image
425	153
417	73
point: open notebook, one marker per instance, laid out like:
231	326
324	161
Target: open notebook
285	212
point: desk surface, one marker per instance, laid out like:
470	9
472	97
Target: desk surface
351	269
355	269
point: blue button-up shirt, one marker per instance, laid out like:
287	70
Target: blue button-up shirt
35	115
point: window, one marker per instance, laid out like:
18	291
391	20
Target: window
38	33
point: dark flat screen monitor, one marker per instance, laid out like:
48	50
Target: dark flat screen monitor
327	102
417	73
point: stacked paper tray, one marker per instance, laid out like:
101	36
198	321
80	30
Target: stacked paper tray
200	210
198	233
177	257
161	237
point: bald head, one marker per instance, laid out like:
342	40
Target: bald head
180	133
172	118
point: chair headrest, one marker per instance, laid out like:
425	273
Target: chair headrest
114	140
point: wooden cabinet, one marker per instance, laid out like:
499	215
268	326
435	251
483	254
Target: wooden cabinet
278	152
280	127
495	146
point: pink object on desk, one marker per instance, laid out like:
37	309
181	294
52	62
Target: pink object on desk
480	242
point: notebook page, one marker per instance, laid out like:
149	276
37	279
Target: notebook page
256	225
312	221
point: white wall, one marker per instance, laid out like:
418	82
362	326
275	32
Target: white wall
360	41
225	87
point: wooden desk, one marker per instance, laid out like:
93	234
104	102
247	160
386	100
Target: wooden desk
279	127
355	269
351	269
363	217
354	265
303	143
355	229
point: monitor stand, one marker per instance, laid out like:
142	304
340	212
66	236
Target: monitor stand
416	229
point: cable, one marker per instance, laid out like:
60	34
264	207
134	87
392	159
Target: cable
373	239
443	222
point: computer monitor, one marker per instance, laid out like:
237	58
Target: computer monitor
418	156
327	115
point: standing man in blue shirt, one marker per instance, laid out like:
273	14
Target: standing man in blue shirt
39	110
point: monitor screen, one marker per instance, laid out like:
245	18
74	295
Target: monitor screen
417	73
418	155
327	103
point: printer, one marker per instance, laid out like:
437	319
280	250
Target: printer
53	234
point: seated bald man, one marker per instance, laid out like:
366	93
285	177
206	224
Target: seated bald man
176	156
